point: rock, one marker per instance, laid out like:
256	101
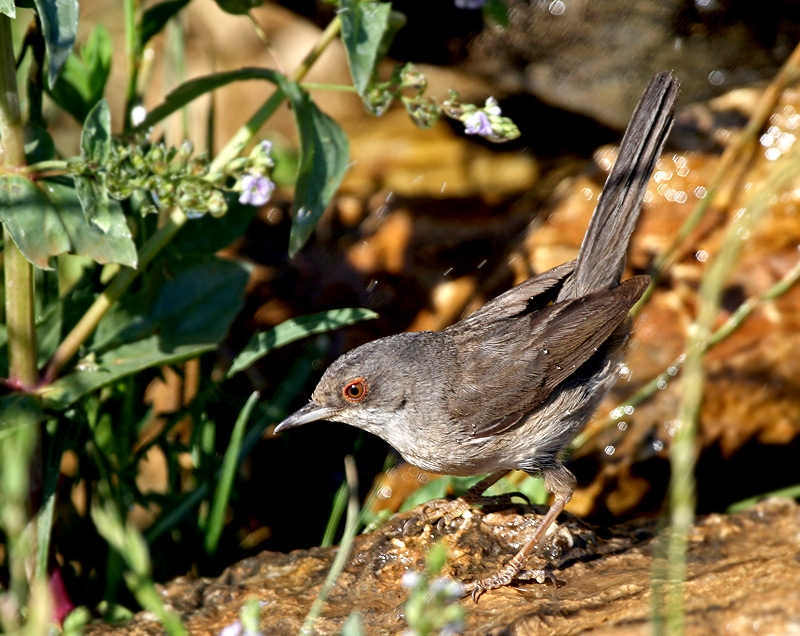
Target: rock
742	576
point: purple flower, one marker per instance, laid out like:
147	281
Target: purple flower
256	189
411	579
478	124
234	629
469	4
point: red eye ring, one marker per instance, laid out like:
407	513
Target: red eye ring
355	390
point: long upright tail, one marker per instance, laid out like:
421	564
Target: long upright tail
601	260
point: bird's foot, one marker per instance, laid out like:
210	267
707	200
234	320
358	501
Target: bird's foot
505	576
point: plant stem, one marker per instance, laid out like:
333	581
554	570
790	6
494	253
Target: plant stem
683	450
52	164
133	51
725	168
18	271
20	439
249	130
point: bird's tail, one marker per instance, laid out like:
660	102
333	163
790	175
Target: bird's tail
601	260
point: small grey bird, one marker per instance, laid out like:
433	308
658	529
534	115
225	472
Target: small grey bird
509	386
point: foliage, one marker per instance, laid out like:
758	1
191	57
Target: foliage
112	279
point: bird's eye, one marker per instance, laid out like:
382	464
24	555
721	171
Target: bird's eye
355	390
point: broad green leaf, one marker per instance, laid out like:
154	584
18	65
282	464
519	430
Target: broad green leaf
295	329
45	219
238	7
60	24
324	156
363	28
83	79
7	8
17	408
227	473
113	365
189	300
191	90
157	16
190	314
95	149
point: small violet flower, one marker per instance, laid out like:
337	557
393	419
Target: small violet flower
469	4
256	189
411	579
478	124
234	629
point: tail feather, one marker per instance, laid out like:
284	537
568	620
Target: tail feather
601	260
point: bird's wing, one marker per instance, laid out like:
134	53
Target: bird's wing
510	366
534	293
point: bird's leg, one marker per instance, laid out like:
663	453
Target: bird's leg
561	483
445	512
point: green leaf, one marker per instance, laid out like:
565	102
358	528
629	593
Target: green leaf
295	329
45	219
7	8
324	156
96	135
363	27
95	149
222	493
38	144
238	7
157	16
496	10
189	316
60	24
19	408
191	90
83	80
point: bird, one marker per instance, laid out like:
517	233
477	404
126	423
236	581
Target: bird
509	386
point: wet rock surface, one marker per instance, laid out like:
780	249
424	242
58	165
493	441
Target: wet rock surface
743	577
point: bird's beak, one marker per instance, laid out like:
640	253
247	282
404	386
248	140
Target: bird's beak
311	412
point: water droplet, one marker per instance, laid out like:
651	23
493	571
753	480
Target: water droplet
623	426
628	409
658	445
662	384
610	450
716	78
702	256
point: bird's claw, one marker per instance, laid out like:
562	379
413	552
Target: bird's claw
504	577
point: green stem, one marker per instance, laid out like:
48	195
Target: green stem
52	164
725	168
246	133
683	450
133	51
20	317
343	88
